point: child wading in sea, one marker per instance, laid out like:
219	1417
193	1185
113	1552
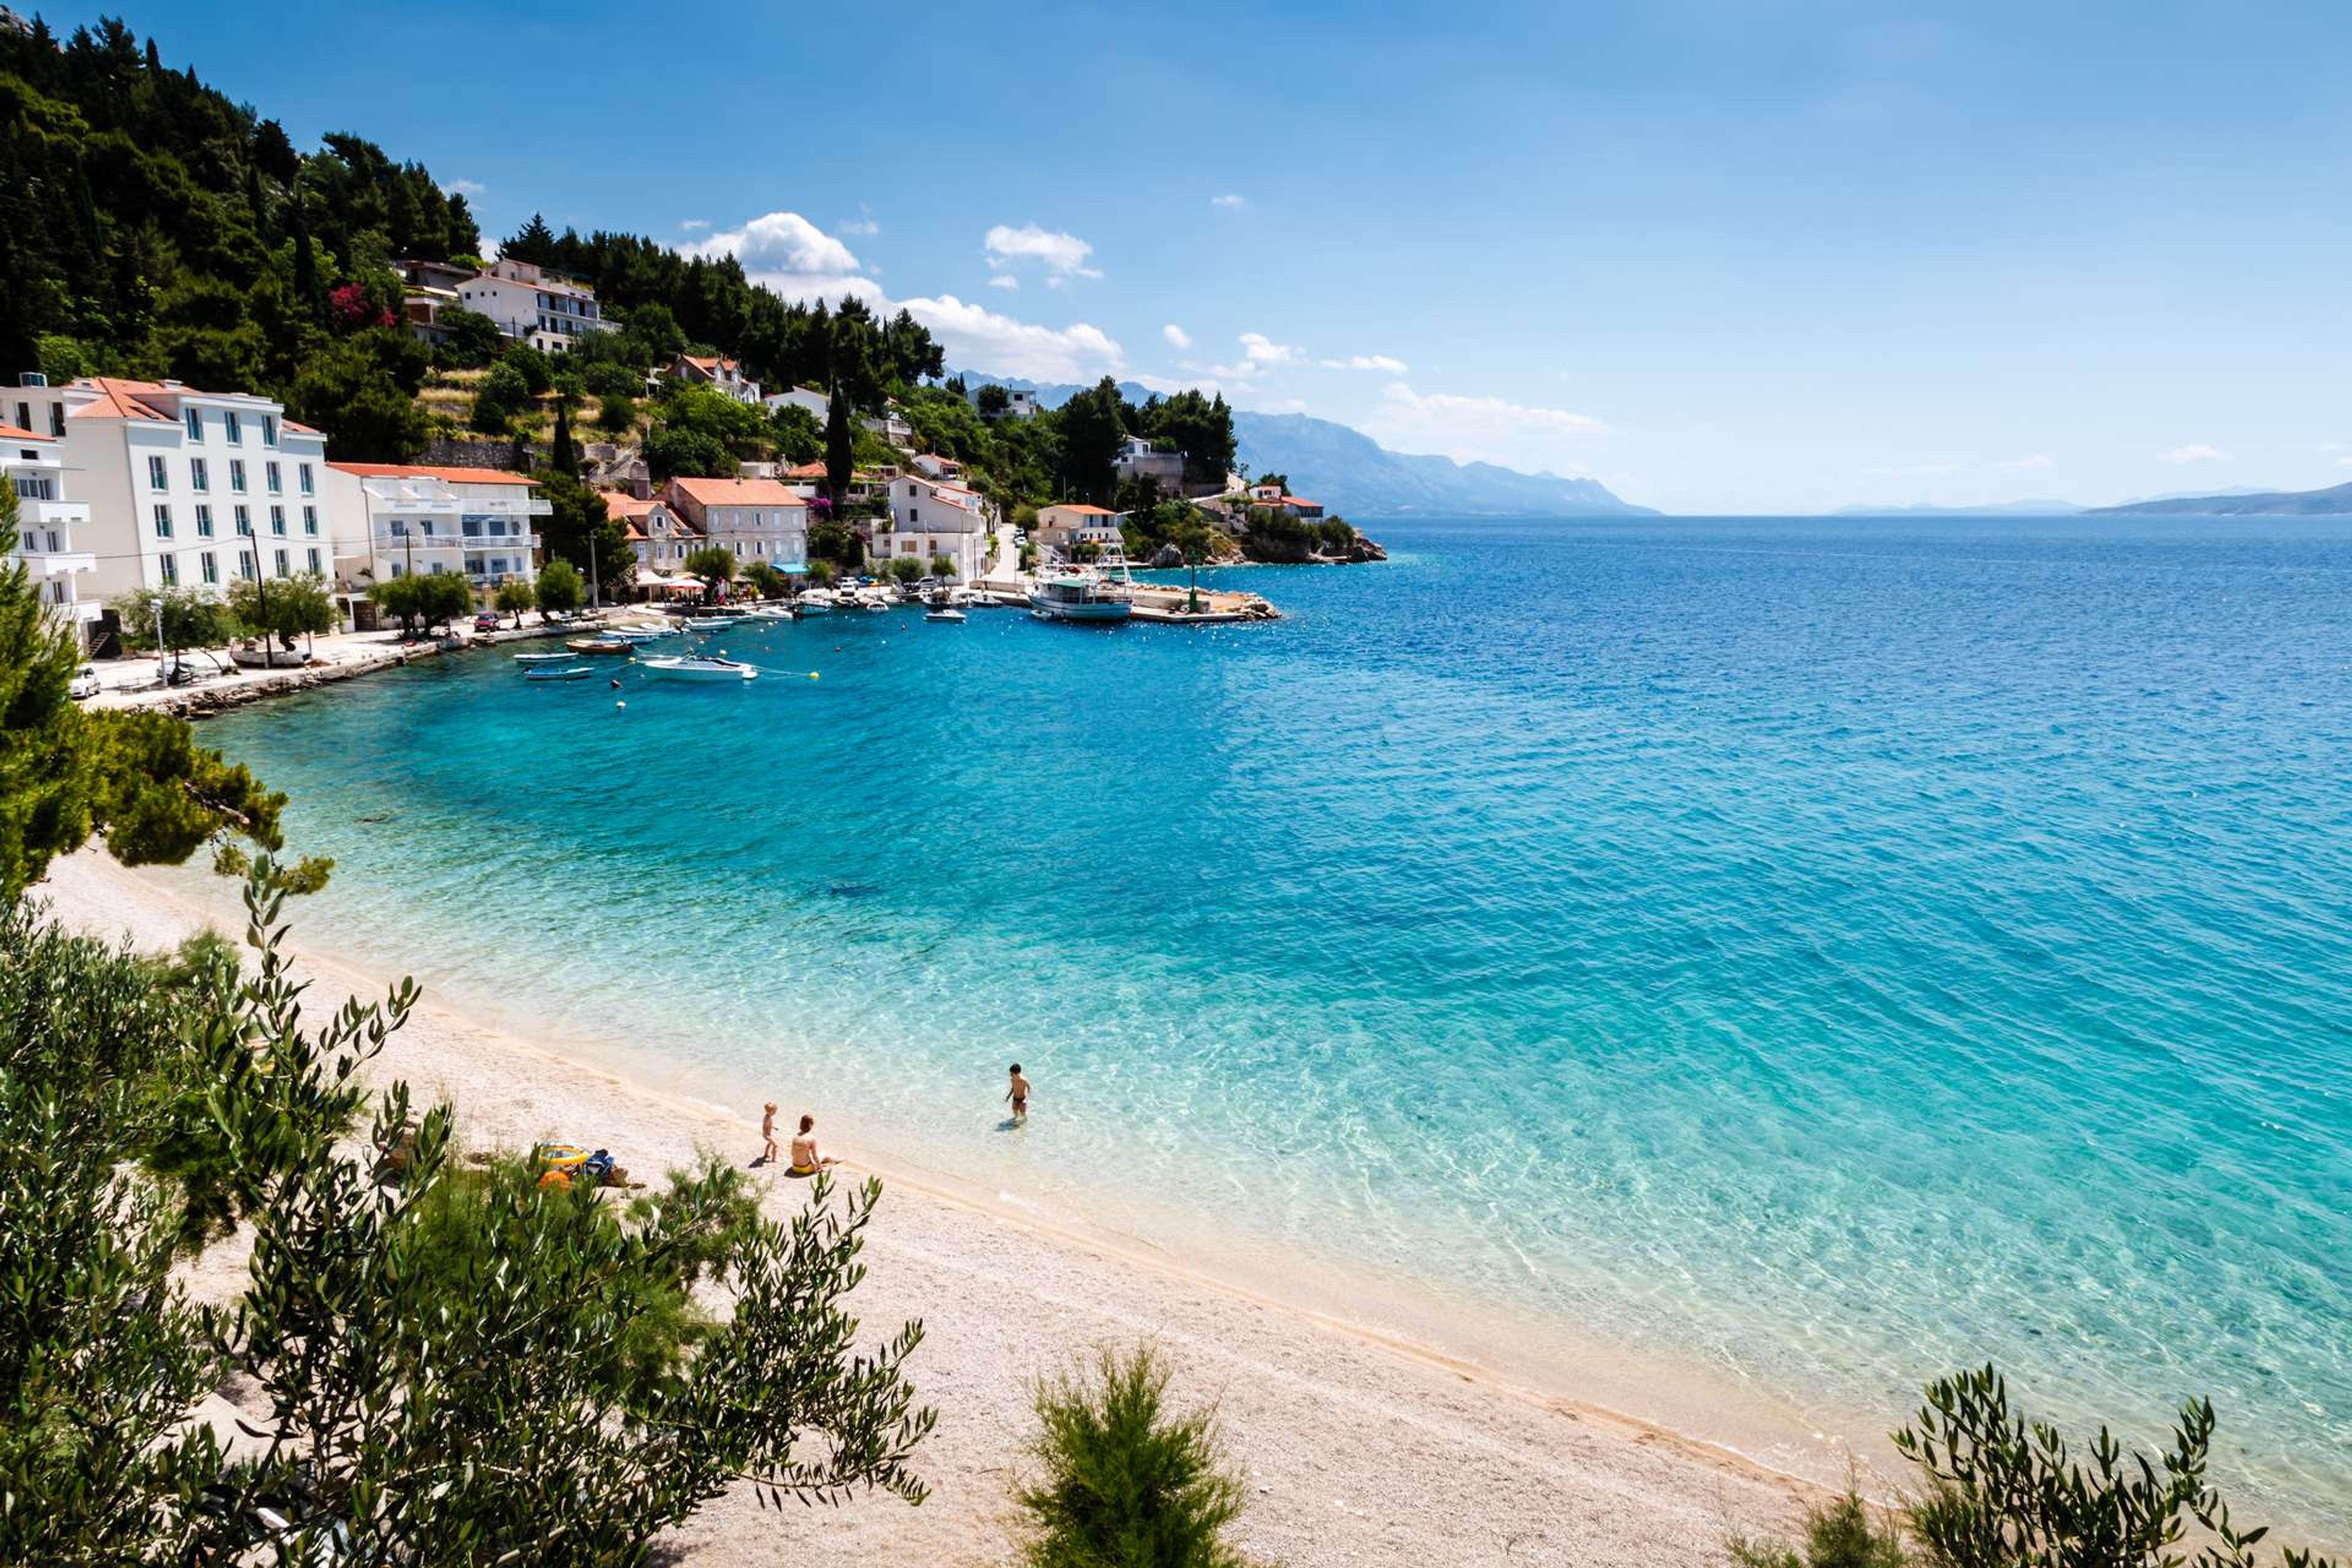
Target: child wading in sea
1019	1093
768	1132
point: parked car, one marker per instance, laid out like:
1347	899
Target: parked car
84	682
485	622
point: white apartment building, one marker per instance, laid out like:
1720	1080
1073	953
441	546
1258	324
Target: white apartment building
477	523
542	309
1065	527
807	397
759	520
44	543
184	487
933	517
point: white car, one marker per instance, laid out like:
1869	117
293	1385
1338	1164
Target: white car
84	682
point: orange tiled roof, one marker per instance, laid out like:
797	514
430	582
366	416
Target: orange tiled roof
10	433
1081	510
423	471
805	471
119	399
736	492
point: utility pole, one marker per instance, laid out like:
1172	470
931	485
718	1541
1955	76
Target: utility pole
596	588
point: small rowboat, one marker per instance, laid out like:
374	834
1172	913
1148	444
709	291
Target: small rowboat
698	670
551	672
544	658
599	644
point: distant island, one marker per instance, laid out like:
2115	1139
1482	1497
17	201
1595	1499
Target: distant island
2334	501
1349	472
1989	508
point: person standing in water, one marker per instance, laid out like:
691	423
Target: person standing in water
1019	1094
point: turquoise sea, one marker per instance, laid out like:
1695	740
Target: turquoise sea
1814	952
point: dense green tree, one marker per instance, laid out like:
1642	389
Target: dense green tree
161	619
560	589
473	339
581	529
533	365
561	456
135	780
840	447
1092	426
616	416
534	243
1200	427
499	396
424	600
715	564
351	390
765	580
283	608
799	437
994	400
513	597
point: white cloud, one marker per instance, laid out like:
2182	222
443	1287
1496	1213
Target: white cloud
863	225
2040	462
1367	362
2344	462
1229	201
974	335
695	225
2195	452
1259	349
1005	281
787	253
2335	447
466	188
1480	429
1062	255
1178	338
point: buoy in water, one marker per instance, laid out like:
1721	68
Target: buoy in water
811	675
620	705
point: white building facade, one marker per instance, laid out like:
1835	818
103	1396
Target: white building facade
186	488
933	517
479	524
44	545
807	397
542	309
1062	529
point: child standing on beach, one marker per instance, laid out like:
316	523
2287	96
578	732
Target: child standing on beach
1019	1093
768	1133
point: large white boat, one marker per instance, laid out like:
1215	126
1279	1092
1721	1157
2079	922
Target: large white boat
814	601
1078	595
696	670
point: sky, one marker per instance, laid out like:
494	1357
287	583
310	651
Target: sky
1723	258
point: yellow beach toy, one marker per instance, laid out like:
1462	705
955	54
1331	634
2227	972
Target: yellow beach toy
557	1162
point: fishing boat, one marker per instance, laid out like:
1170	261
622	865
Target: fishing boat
698	670
814	601
600	646
554	672
1080	596
531	658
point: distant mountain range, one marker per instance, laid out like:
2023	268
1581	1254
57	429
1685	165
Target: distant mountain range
1355	476
2334	501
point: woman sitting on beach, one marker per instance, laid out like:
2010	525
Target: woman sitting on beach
806	1160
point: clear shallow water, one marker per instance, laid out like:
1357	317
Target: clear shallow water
1828	951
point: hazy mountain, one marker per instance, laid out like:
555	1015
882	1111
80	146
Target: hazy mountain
1353	475
1990	509
2334	501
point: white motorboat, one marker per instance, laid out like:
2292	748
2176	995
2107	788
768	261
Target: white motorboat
814	601
713	622
945	613
697	669
552	672
770	612
1079	597
635	637
531	658
869	599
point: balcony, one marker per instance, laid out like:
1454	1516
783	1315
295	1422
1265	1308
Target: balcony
54	513
58	563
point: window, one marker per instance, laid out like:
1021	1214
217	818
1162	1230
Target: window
474	566
280	558
470	527
236	475
229	430
269	429
309	520
199	479
245	565
156	477
170	567
211	564
277	520
56	542
204	522
303	474
29	546
196	424
243	522
398	529
163	521
58	420
23	416
397	571
269	477
313	553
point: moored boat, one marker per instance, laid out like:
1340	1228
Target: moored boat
600	646
530	659
814	601
945	613
1079	597
552	672
697	669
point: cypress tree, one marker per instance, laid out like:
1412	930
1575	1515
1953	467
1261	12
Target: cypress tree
564	460
838	446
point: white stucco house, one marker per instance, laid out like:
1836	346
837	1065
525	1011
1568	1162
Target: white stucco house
44	544
544	309
480	523
757	520
935	517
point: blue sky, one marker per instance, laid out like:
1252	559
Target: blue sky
1723	258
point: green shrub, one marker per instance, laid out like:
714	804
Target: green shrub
1125	1482
1841	1533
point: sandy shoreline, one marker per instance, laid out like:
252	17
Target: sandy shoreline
1360	1448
